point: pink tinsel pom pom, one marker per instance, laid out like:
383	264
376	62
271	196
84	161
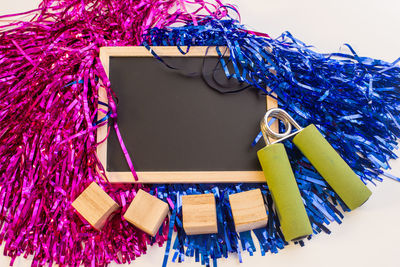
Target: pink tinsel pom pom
49	80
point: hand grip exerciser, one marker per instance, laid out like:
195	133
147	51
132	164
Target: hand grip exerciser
332	167
282	184
324	158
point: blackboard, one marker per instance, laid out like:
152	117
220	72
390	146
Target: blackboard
173	123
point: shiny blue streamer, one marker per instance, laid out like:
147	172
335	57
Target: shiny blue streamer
170	231
259	135
353	100
106	117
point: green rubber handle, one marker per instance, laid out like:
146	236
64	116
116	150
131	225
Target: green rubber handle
332	167
285	193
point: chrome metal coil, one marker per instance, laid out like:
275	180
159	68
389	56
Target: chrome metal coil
282	116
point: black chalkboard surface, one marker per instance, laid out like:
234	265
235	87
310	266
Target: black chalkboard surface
171	120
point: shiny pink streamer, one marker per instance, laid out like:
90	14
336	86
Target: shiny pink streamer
49	79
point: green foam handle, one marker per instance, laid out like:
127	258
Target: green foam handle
332	167
285	192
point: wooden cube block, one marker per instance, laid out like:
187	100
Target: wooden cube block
248	210
95	205
199	214
146	212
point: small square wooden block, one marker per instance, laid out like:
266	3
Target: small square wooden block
146	212
248	210
95	205
199	214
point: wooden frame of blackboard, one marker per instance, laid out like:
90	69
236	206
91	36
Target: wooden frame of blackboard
178	176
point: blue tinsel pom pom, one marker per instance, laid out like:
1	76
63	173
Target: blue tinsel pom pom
353	100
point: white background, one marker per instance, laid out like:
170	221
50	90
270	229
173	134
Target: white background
368	236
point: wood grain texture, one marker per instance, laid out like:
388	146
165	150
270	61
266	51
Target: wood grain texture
146	212
188	177
167	177
199	214
95	205
248	210
162	51
272	102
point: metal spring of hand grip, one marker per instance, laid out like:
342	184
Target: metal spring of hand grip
287	120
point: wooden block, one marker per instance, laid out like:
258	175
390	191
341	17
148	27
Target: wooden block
248	210
199	214
95	205
146	212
